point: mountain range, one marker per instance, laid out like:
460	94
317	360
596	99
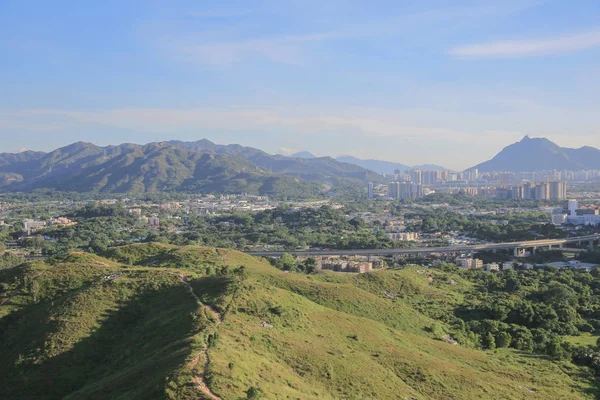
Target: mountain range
539	154
200	166
203	166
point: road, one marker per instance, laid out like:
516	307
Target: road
427	250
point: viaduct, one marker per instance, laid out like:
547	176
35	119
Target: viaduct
518	248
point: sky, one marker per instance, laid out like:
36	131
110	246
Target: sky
442	82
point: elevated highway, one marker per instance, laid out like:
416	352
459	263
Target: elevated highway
516	246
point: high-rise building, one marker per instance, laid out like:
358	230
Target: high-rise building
542	191
394	190
558	190
405	190
370	190
416	176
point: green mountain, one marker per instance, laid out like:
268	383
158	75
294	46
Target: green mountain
200	166
321	169
84	167
154	321
539	154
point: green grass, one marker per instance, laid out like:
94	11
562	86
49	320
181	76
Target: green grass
66	332
585	339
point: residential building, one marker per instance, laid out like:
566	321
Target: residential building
30	226
61	221
507	266
416	176
492	267
404	236
471	263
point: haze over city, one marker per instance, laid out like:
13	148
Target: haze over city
449	83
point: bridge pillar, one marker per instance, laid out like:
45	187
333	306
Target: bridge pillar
562	246
591	244
518	252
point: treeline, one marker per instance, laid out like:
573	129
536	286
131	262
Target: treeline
289	228
524	226
530	310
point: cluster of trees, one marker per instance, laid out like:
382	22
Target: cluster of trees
522	226
98	227
289	263
531	311
290	228
481	203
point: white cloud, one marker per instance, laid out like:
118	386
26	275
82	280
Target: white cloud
364	122
457	138
287	151
231	44
284	49
531	47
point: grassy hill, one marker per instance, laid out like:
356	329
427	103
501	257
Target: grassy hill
127	326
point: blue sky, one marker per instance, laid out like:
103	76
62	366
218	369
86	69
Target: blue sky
445	82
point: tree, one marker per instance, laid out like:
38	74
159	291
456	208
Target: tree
253	393
503	339
554	348
310	265
287	262
489	341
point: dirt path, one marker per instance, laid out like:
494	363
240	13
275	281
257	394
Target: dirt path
199	374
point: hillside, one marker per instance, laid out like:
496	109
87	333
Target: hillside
129	168
200	166
129	326
321	169
539	154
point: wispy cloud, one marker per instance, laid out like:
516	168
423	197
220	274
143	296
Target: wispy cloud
233	44
374	123
285	49
530	47
408	135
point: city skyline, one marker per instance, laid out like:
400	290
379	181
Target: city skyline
399	82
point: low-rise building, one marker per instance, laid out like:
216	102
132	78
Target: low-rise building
30	226
472	263
492	267
61	221
404	236
507	266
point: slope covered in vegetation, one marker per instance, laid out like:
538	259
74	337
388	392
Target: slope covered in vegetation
128	326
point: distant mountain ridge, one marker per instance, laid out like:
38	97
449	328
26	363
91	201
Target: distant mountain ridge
539	154
322	169
303	154
387	167
198	167
84	167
